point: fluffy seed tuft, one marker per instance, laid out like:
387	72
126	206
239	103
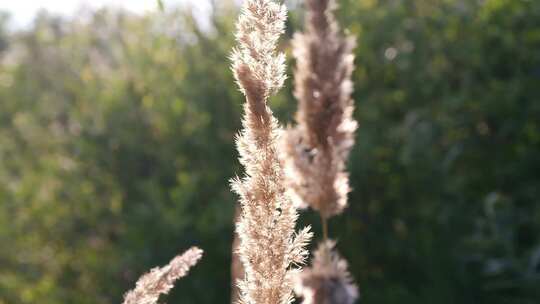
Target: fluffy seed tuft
161	280
327	281
268	246
316	150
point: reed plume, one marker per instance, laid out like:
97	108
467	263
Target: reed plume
327	281
317	149
161	280
269	247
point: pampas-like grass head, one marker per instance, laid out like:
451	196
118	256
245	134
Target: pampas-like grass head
327	281
269	247
317	149
161	280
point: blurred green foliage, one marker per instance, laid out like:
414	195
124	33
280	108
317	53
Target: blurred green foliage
116	146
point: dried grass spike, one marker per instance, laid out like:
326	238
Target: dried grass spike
268	245
316	150
161	280
327	281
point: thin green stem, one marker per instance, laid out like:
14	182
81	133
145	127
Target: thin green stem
324	228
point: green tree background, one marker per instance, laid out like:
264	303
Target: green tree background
116	147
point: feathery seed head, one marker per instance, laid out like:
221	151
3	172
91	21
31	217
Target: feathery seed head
161	280
266	225
316	150
327	281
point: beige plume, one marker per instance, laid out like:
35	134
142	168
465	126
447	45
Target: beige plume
269	247
316	150
161	280
327	281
